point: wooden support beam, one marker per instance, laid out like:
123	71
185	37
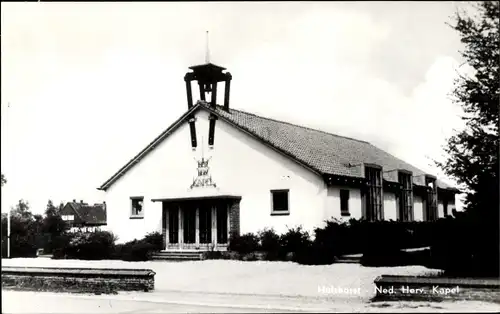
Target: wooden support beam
228	221
167	229
214	225
213	101
197	219
189	93
181	229
202	91
226	92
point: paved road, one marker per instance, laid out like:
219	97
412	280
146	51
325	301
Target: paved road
45	302
78	305
188	302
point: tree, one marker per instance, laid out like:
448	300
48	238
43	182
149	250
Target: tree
473	152
3	180
52	222
25	230
22	210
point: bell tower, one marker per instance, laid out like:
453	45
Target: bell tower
208	76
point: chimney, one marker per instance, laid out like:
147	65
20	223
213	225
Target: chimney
81	201
74	201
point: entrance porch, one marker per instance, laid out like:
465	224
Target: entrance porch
199	223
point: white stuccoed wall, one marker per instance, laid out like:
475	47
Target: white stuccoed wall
333	203
441	209
240	165
390	206
418	208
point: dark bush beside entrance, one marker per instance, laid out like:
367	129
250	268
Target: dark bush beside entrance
270	244
101	245
381	243
244	244
139	250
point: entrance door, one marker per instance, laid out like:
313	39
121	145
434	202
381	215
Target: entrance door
189	224
173	224
205	223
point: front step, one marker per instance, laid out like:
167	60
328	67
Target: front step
350	259
178	256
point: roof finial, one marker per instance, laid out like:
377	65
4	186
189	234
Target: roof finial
207	52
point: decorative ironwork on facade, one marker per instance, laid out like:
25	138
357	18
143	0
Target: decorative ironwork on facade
204	179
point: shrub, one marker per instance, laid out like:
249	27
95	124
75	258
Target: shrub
60	245
155	239
142	251
139	250
90	246
270	244
22	246
297	241
213	255
250	257
463	246
134	251
331	239
244	244
313	254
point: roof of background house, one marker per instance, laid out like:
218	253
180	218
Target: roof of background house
322	152
90	214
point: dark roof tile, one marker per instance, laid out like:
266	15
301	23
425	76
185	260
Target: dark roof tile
90	214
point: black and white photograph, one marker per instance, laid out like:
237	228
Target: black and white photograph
250	157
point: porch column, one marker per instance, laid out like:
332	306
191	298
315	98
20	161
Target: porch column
197	231
181	229
214	226
167	235
228	224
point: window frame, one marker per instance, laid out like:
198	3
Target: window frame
405	201
345	192
374	195
280	212
68	217
132	200
445	207
431	209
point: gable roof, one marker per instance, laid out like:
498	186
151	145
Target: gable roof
90	214
323	153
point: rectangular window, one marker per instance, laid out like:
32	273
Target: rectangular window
405	197
374	200
344	203
68	217
431	208
137	207
279	202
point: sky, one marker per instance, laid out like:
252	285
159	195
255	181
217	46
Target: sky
86	86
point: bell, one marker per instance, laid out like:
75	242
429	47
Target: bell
208	87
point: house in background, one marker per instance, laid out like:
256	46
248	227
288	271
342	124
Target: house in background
218	170
84	217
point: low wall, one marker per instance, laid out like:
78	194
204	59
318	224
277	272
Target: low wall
89	280
393	288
